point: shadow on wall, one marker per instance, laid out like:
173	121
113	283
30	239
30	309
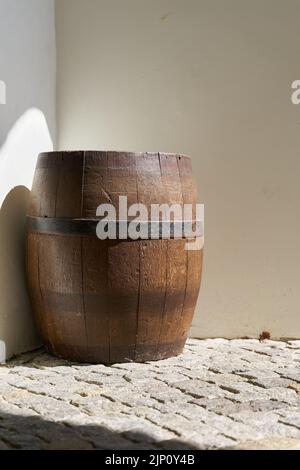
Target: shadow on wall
16	318
28	137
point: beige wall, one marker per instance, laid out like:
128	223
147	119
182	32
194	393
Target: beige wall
210	78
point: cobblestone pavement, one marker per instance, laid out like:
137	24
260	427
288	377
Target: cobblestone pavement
219	394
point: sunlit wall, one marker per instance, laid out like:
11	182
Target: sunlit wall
27	127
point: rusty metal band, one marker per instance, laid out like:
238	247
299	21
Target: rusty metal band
87	227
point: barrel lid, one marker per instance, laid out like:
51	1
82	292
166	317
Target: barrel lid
113	152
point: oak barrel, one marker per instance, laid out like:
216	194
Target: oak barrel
108	301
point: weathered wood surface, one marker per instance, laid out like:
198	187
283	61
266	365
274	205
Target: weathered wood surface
114	300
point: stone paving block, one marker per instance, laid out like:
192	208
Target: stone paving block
186	410
72	443
258	374
227	367
4	446
177	444
199	373
291	374
201	389
274	443
207	439
97	406
168	396
272	382
233	429
148	432
170	378
225	406
15	440
286	395
267	422
110	441
290	417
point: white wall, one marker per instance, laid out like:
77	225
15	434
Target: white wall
27	127
210	78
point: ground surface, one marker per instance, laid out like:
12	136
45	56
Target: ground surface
218	394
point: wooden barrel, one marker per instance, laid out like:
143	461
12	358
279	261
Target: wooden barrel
108	301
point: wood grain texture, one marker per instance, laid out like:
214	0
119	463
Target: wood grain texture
152	294
96	298
114	300
175	293
61	286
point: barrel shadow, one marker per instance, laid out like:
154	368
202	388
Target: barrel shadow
17	329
